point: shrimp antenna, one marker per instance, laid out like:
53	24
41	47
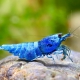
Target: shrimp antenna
76	36
74	30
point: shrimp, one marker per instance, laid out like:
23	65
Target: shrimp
45	47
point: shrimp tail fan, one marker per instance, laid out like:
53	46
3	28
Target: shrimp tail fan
10	48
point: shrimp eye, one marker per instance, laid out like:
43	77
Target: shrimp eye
60	35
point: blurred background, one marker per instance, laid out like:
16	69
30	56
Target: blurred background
31	20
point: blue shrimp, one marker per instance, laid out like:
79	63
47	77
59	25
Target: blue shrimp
45	47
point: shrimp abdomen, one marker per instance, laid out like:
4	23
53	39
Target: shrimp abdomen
28	51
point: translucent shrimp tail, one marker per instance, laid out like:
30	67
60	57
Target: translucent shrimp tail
1	48
10	48
5	47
